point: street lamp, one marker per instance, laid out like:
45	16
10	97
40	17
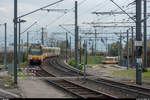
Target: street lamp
20	21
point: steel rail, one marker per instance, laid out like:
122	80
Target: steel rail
79	91
130	89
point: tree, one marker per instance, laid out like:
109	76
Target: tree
113	49
130	53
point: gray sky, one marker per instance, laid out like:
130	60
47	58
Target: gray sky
53	19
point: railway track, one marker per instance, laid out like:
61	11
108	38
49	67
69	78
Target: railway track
129	89
137	91
43	73
61	63
79	91
72	88
54	63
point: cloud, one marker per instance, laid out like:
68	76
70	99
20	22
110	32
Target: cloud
3	10
85	10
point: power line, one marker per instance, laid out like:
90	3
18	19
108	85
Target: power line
64	14
40	8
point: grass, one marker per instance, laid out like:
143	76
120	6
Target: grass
71	62
2	64
23	64
20	74
90	61
131	73
9	83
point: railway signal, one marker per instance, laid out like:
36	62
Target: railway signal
138	43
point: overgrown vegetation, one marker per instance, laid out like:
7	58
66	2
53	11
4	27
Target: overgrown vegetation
90	61
20	74
131	73
10	59
9	83
71	62
23	64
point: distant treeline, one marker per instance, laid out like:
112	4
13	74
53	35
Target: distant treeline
10	57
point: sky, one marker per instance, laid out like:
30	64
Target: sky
51	20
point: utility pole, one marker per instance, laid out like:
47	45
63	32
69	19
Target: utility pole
95	45
27	45
145	34
108	50
86	54
138	43
127	49
120	49
42	39
85	48
15	41
133	63
92	47
70	46
19	43
106	47
57	43
66	46
80	49
5	57
76	35
22	50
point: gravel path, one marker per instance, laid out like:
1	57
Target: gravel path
36	88
105	71
8	92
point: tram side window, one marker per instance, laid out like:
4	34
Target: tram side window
53	51
48	51
43	50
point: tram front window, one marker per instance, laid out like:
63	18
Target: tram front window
35	51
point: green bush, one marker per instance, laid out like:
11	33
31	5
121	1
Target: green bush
144	70
23	64
71	62
24	57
